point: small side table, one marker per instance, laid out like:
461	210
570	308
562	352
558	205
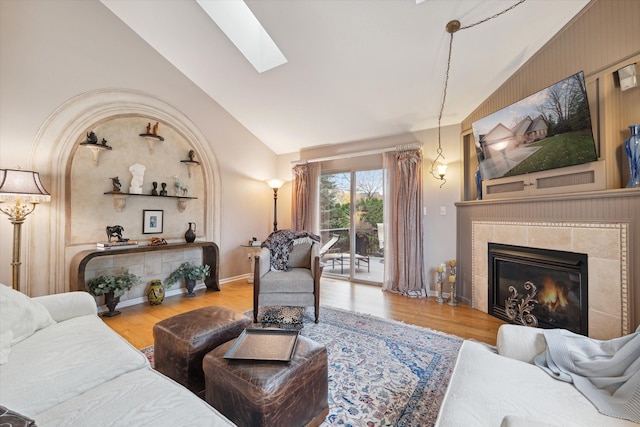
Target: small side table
251	252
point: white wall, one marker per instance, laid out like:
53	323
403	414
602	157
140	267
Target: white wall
52	51
440	230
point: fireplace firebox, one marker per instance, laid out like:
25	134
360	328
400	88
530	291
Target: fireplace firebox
538	287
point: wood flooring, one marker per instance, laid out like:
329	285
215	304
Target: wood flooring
135	323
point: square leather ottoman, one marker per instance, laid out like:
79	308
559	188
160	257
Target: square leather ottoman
180	342
266	393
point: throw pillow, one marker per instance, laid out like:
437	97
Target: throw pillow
283	317
20	316
300	255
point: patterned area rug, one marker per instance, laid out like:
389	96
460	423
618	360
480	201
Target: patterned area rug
381	372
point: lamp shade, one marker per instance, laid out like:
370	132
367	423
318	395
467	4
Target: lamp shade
442	170
275	183
24	186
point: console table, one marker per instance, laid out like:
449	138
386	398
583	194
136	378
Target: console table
210	256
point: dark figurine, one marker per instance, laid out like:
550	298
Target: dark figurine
103	142
155	129
148	128
116	184
154	192
163	192
115	231
191	155
92	138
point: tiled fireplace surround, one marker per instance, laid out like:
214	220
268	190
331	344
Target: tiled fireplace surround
605	225
607	251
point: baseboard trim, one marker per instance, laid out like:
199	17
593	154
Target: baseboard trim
170	293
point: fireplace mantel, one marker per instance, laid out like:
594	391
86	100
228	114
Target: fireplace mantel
587	195
550	221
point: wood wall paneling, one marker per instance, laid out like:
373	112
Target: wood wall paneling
603	38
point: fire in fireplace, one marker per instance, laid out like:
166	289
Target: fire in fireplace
538	287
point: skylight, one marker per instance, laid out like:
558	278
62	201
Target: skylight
244	30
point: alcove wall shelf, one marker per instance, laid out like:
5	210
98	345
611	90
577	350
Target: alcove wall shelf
119	199
190	165
151	140
96	149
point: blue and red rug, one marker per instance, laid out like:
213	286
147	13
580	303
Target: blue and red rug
381	372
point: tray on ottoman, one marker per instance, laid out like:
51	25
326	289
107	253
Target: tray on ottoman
264	344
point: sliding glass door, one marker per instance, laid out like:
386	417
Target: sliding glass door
351	207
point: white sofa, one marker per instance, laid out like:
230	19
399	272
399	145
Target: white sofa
61	365
501	387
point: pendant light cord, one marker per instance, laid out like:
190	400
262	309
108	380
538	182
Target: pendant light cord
451	28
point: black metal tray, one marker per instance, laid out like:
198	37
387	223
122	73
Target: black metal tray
264	344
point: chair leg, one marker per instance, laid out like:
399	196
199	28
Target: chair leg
316	288
256	287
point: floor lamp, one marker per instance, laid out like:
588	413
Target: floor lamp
275	184
24	190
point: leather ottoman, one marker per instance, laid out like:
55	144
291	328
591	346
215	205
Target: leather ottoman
180	342
257	393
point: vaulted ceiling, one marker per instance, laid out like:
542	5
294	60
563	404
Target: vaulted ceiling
357	69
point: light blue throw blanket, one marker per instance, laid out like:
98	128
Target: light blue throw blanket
605	372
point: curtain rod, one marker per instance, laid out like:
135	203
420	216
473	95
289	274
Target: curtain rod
405	147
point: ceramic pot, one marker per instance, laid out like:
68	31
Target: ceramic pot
190	285
190	235
156	292
111	302
478	179
632	148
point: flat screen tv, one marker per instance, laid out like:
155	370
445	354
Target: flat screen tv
547	130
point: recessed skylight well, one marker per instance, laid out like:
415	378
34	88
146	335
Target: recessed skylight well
244	30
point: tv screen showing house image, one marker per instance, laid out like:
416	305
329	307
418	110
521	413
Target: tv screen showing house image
547	130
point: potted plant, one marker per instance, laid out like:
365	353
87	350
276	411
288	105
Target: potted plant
190	273
112	287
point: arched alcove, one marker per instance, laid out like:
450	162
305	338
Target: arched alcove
53	150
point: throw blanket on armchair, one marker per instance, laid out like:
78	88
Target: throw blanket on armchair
281	242
605	372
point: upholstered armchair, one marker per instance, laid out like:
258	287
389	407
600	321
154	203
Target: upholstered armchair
298	285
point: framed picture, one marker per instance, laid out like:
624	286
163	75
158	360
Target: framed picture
152	221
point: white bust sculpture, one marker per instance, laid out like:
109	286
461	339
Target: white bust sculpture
137	171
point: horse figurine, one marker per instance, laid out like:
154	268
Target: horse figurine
181	188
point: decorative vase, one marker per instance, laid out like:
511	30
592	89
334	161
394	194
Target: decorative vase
111	302
632	147
478	178
156	292
190	235
190	285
